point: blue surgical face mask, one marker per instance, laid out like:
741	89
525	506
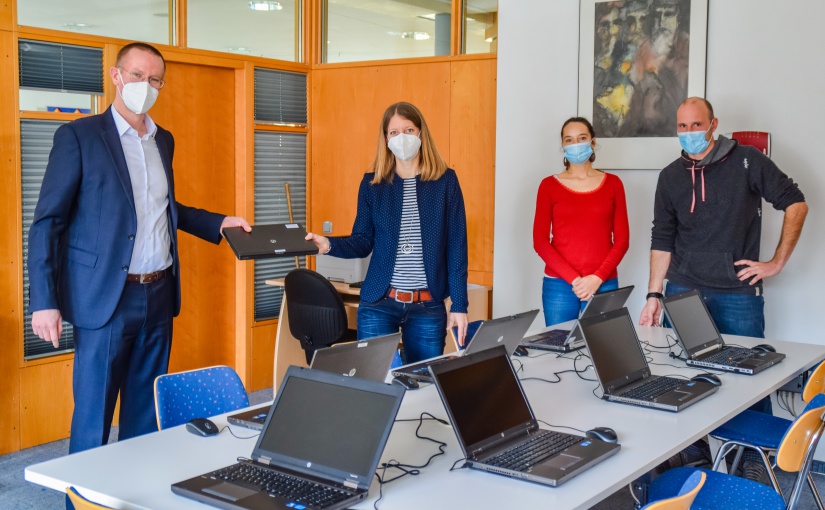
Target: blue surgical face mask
694	142
578	153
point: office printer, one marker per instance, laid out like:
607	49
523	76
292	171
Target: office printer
342	270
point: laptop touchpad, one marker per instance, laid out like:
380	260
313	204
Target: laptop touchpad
229	491
562	461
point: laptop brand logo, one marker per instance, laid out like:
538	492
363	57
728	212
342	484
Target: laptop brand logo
309	464
500	339
352	373
273	241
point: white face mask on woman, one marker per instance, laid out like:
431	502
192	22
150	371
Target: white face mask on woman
138	96
404	146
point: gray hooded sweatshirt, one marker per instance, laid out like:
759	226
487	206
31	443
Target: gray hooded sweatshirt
708	213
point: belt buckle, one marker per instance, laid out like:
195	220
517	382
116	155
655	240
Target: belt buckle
144	278
399	292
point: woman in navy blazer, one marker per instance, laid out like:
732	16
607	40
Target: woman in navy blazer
416	228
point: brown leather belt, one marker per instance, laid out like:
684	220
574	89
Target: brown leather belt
409	296
148	277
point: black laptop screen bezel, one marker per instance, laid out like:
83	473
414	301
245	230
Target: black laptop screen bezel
629	377
693	295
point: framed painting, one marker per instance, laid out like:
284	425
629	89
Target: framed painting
638	60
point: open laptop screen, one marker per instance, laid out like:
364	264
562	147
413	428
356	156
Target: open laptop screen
484	397
328	425
692	322
614	347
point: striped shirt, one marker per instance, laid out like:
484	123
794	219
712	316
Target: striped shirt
409	261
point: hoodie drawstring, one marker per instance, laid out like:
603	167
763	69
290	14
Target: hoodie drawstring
693	181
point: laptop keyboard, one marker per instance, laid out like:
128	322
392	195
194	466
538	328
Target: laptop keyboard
541	446
552	337
728	356
652	389
279	484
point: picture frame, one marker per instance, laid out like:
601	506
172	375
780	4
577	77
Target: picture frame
642	50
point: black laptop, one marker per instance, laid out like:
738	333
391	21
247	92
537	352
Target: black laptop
268	241
622	369
567	340
496	427
369	359
507	331
702	343
318	450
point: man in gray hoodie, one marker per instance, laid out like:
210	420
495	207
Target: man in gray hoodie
707	224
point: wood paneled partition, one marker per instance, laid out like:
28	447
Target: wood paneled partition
458	101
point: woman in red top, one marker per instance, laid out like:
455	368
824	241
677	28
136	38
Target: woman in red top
580	230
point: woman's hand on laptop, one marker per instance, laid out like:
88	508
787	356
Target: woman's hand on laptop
459	320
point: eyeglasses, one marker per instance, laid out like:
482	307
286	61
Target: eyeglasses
155	82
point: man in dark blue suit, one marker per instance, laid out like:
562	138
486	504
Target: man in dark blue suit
103	251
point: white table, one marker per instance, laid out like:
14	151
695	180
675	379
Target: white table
137	473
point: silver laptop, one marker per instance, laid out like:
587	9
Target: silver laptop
507	331
368	359
622	369
497	429
318	450
567	340
702	343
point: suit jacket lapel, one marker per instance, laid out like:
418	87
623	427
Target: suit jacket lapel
111	139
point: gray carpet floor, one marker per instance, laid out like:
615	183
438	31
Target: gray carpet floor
17	494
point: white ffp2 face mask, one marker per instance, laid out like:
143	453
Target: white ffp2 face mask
138	96
404	146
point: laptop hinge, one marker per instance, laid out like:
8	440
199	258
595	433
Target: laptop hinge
350	484
264	460
715	347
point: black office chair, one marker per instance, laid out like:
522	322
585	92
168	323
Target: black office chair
315	310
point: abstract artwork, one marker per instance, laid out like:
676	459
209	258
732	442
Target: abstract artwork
639	59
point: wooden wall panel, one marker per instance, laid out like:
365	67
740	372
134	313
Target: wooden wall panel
7	16
11	255
202	119
263	356
347	104
472	155
46	402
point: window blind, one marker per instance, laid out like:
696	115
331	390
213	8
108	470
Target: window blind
48	66
280	97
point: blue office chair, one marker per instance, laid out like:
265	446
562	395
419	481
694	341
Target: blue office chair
197	393
795	455
81	503
763	432
684	499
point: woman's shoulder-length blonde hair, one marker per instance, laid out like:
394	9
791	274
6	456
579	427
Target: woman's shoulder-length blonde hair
430	162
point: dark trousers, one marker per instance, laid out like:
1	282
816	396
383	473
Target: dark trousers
124	357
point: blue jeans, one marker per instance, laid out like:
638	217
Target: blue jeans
423	325
561	304
734	314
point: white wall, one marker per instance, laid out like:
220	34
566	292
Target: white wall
764	72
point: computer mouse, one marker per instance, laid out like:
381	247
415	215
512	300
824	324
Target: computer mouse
764	348
521	351
202	427
605	434
708	378
405	381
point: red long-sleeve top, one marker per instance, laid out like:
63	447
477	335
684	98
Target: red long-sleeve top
581	233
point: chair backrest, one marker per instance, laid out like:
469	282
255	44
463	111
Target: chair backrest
815	384
796	451
316	313
197	393
682	501
81	503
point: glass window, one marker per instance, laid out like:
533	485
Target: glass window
480	26
356	30
59	77
138	20
261	28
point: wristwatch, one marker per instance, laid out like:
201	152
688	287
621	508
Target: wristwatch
657	295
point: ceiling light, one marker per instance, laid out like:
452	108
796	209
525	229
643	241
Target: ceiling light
265	5
77	26
491	38
418	36
240	50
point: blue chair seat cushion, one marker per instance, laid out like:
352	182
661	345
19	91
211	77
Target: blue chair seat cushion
757	428
719	491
